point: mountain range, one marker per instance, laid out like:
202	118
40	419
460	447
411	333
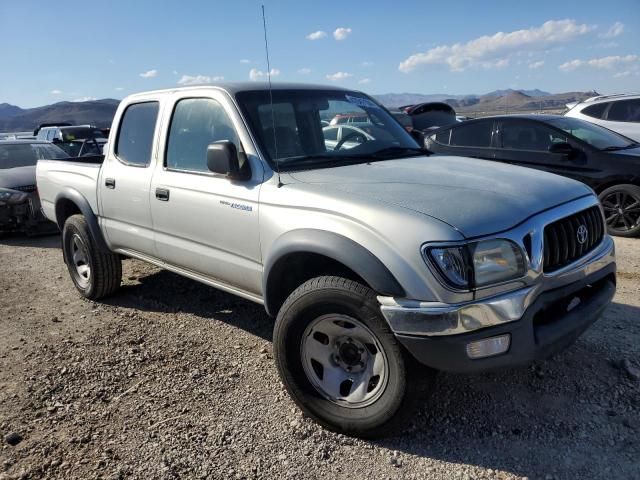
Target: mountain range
100	112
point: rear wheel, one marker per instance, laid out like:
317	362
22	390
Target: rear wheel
621	204
340	362
95	273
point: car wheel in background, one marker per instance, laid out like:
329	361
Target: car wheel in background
95	273
340	362
621	204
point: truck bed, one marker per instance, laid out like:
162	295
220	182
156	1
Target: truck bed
77	173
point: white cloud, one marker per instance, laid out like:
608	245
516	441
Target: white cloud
304	71
119	89
316	35
366	64
84	99
245	60
626	73
341	33
198	79
56	92
334	77
615	30
149	74
536	65
255	74
606	63
364	81
491	51
175	72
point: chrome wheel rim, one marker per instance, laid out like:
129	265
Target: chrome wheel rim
344	361
621	211
80	260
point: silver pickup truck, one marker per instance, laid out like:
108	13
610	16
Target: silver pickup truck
381	263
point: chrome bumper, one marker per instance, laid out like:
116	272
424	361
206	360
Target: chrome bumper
413	317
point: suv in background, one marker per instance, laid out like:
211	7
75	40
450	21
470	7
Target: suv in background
77	141
620	113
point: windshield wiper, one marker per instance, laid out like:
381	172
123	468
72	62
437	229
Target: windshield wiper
394	151
613	148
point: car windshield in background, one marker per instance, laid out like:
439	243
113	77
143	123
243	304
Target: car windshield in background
312	128
595	135
15	155
80	133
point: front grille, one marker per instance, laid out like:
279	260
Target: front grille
562	238
25	188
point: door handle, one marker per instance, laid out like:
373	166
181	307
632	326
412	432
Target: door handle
162	194
110	183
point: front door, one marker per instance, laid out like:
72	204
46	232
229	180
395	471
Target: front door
204	222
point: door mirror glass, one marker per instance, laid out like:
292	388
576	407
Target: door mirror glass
222	158
562	148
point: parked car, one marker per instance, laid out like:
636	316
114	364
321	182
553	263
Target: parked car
429	115
341	118
373	259
345	136
620	113
76	140
606	161
19	202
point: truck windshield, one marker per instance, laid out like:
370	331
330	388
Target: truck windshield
317	128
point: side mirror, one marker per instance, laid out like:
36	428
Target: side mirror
222	158
418	136
562	148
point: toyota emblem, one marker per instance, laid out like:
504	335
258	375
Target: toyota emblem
581	234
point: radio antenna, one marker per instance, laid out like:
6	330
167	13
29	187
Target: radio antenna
273	115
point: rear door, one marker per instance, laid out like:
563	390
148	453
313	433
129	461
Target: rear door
206	223
125	179
526	143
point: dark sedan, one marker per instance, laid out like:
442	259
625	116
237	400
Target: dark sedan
606	161
19	202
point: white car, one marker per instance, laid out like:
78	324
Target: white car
620	113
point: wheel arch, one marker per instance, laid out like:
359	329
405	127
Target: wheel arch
71	202
302	254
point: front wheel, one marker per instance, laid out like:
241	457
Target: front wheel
340	362
95	273
621	204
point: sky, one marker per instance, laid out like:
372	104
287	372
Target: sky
73	51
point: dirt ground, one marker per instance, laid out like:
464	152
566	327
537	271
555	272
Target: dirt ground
173	379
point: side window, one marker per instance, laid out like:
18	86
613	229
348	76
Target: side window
442	137
476	134
196	123
529	136
330	133
625	111
596	111
135	135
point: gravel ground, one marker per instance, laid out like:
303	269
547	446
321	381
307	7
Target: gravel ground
173	379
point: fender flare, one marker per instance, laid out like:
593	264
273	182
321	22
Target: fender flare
83	205
334	246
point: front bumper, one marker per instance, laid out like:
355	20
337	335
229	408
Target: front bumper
541	319
24	217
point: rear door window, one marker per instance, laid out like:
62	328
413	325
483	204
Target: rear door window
625	111
135	135
477	134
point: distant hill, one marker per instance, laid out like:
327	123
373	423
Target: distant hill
95	112
498	100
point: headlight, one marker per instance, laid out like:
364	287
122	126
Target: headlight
479	264
12	196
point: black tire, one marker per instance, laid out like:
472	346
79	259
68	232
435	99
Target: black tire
105	268
335	295
621	205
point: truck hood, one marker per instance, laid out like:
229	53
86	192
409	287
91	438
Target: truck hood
476	197
17	177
